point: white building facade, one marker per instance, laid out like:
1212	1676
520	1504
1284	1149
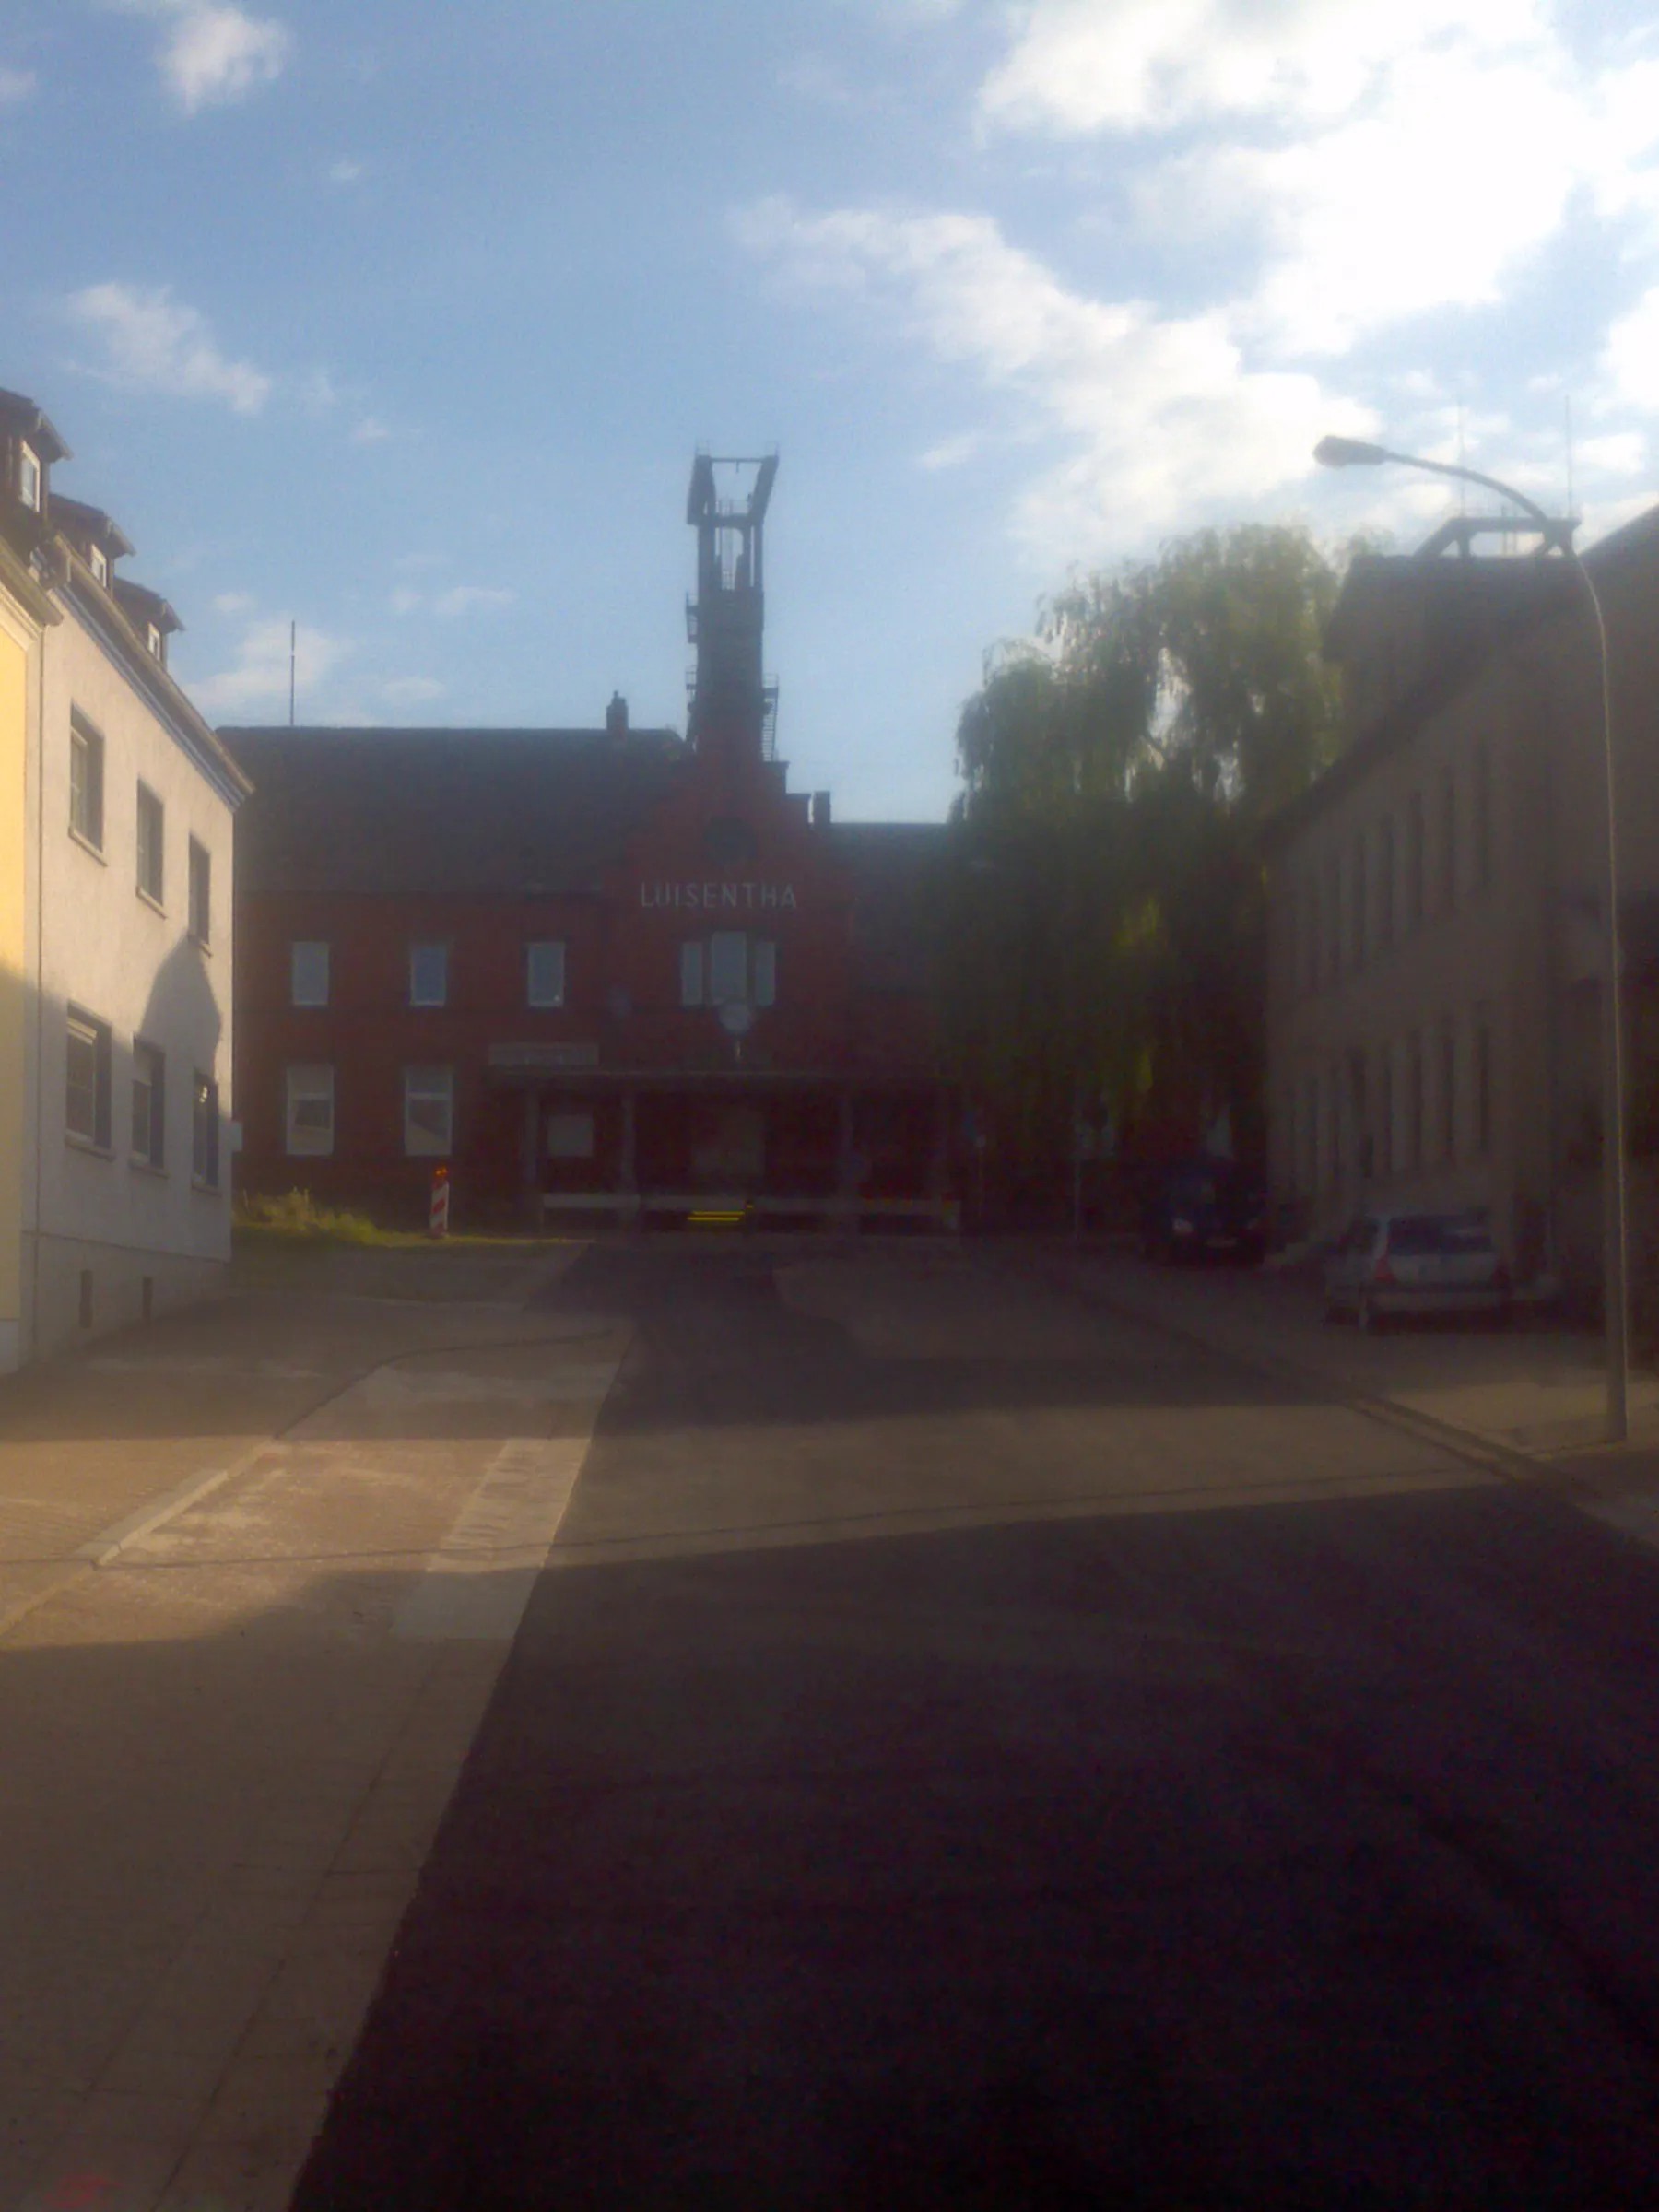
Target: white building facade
1434	1035
117	1061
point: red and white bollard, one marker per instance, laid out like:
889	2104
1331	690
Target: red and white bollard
438	1212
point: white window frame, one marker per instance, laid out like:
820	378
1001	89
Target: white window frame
148	1131
757	958
152	638
543	990
305	956
87	1030
691	972
86	790
152	808
730	948
308	1083
31	476
204	1131
98	560
201	892
429	1088
429	946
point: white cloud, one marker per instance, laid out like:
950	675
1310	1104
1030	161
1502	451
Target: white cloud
411	690
16	87
462	598
1080	67
370	430
1631	360
403	601
318	392
1337	255
232	603
1163	414
347	172
218	54
156	345
951	453
259	676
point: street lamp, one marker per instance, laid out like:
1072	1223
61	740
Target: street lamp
1358	452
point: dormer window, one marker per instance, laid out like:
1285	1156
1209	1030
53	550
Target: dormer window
98	562
152	638
29	476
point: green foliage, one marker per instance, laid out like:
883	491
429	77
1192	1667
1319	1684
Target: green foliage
1108	915
296	1215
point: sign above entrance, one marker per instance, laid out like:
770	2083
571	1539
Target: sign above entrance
544	1055
722	898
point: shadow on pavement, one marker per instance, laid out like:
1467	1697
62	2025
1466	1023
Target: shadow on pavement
1291	1856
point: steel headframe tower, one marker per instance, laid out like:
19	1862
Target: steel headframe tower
733	706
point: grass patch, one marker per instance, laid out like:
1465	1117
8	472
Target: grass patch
297	1219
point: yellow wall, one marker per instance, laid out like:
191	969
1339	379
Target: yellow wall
13	854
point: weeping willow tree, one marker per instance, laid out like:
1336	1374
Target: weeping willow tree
1107	919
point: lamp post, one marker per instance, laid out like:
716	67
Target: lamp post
1357	452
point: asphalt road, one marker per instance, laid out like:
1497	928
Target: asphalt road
968	1753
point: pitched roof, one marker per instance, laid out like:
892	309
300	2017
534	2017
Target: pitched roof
23	416
88	525
412	813
895	869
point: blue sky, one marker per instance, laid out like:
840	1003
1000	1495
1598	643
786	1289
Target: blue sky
404	321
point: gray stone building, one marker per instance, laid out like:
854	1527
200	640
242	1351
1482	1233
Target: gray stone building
1435	899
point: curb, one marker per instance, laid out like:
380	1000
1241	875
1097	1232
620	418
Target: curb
105	1548
1486	1452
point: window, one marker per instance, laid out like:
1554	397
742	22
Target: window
1448	1092
86	783
150	1105
692	975
86	1079
1385	883
29	476
308	972
1414	861
311	1111
728	968
205	1131
152	638
429	976
201	893
1447	843
97	561
1483	1086
428	1110
1483	815
544	973
152	828
731	969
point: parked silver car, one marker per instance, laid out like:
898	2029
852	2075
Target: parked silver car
1391	1264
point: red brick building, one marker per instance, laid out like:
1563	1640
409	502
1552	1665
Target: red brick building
590	971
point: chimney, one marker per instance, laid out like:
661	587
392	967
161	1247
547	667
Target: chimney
821	810
615	718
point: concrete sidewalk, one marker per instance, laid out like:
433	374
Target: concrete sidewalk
1533	1395
95	1442
262	1564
